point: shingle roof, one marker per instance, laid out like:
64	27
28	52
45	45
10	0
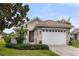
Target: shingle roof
51	23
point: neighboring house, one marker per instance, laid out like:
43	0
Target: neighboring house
75	34
48	32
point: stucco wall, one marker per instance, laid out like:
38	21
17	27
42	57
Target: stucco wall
78	37
67	36
31	26
37	35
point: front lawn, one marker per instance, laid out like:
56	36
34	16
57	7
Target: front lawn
14	52
74	43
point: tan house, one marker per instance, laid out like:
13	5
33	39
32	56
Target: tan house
48	32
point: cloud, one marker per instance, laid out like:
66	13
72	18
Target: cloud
75	21
70	4
74	4
8	30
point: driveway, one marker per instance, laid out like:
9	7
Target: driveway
65	50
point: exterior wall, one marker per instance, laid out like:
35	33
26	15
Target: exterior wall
37	35
67	36
78	37
31	26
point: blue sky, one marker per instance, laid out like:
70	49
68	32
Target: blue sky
54	11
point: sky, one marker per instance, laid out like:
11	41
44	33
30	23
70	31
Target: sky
54	11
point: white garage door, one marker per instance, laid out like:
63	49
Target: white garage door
54	38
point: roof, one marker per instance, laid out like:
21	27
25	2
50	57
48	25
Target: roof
76	30
51	23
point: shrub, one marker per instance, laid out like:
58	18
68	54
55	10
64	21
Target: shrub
7	38
70	42
20	39
9	45
40	42
28	46
20	35
74	43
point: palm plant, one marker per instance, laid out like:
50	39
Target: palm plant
20	35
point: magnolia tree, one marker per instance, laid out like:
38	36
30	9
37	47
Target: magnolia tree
12	15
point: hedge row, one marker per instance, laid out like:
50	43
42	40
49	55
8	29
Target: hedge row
28	46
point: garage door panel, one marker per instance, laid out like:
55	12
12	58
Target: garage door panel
54	38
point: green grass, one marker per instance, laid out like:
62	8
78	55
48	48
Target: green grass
14	52
75	43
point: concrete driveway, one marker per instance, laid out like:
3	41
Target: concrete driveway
65	50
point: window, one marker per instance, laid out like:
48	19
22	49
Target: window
46	30
49	30
76	36
31	36
61	31
40	32
58	30
52	30
43	30
64	30
55	30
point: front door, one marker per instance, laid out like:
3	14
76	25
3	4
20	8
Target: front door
31	36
